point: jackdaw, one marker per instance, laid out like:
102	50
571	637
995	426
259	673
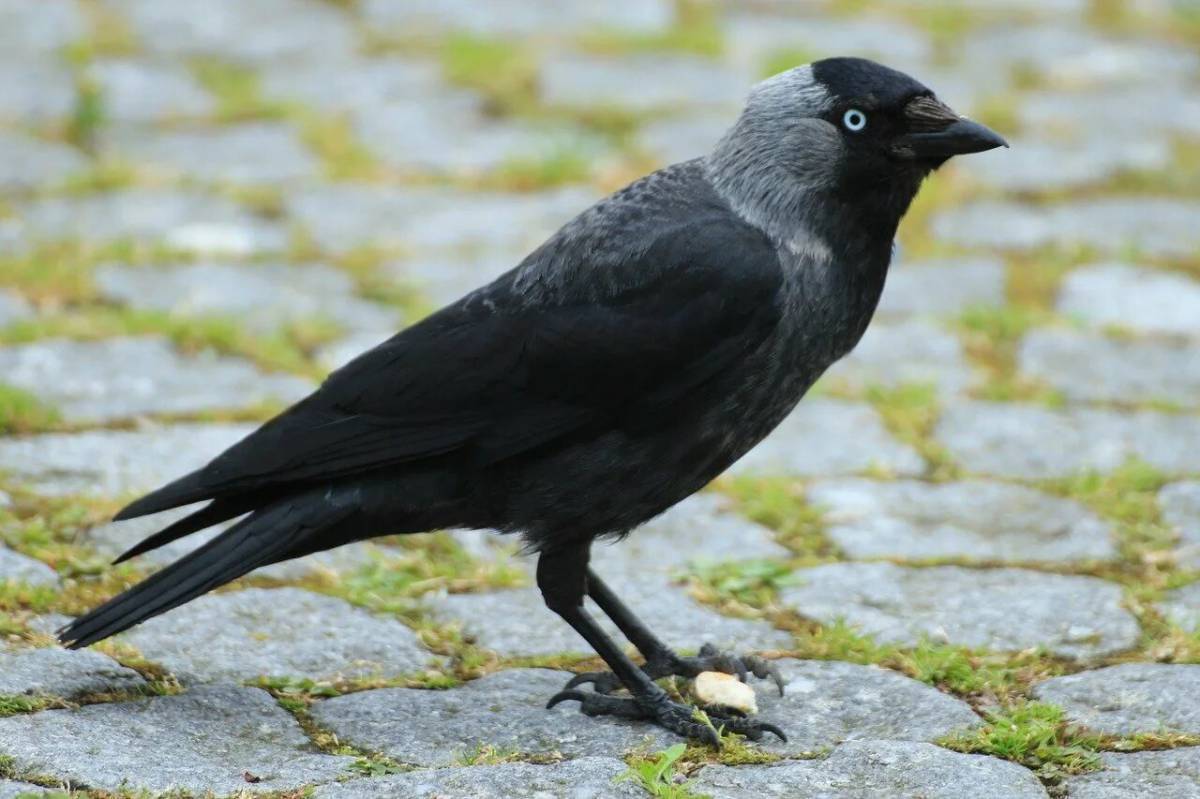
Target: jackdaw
619	368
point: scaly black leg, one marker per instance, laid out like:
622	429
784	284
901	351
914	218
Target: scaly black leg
661	660
562	577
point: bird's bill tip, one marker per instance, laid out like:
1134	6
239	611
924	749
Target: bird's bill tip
960	137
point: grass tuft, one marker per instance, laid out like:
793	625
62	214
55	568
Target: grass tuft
1034	734
22	412
657	776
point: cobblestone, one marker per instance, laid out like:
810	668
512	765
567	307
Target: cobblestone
505	710
203	741
971	519
1006	609
1129	699
29	162
266	296
114	462
1173	774
122	378
281	632
862	769
58	672
1142	300
138	91
1099	369
1032	442
1180	504
824	437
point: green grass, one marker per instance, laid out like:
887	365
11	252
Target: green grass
87	116
910	412
236	91
1034	734
503	71
22	412
780	504
657	776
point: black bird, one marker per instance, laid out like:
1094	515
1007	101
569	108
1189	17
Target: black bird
616	370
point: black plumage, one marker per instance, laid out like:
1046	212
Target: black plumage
619	368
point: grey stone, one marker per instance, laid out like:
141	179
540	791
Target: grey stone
823	437
1032	165
1181	607
30	162
1096	368
137	91
34	91
114	538
60	672
185	220
256	632
355	84
121	378
437	137
516	621
258	153
1175	109
663	82
263	296
114	462
13	308
1025	441
873	769
519	16
752	38
582	778
969	519
445	277
911	352
1072	57
202	741
347	216
1144	300
12	789
43	27
1037	8
1180	503
1156	226
283	29
1128	699
506	710
24	569
1171	774
1003	609
826	702
944	287
681	138
697	530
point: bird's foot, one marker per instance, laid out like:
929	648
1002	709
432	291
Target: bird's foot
675	716
668	664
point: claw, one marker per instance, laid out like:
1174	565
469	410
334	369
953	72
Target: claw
603	682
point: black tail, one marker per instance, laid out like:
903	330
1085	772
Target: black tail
285	529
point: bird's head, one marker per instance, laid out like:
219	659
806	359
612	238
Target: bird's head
849	129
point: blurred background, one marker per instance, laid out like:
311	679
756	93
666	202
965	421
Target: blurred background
205	206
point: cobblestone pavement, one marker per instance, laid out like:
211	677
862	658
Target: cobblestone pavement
974	552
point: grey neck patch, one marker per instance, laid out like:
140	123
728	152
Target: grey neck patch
777	158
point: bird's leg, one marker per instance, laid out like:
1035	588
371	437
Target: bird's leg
661	660
562	577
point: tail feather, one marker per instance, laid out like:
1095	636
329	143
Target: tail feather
269	535
184	491
213	513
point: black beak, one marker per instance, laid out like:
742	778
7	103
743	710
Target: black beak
938	133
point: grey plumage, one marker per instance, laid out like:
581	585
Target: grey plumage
616	370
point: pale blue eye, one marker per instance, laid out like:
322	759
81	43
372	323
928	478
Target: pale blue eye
854	120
